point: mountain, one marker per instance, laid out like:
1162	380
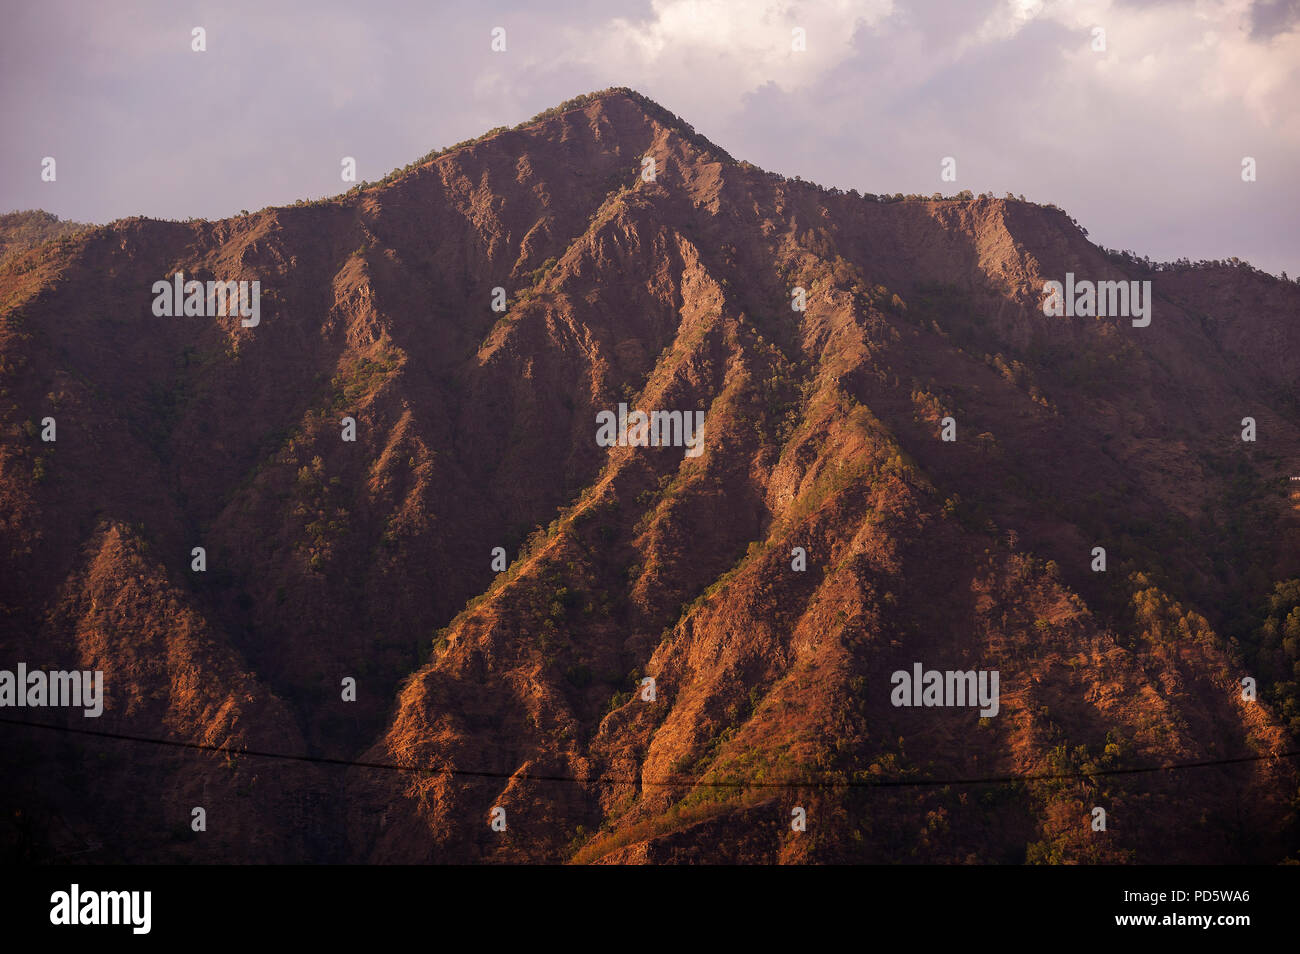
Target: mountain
774	687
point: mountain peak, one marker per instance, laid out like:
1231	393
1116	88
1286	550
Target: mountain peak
612	103
651	109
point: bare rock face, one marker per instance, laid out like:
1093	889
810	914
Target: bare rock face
688	645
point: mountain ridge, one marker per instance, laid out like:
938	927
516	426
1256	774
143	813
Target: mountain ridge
475	429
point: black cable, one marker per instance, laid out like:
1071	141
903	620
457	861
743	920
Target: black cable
690	783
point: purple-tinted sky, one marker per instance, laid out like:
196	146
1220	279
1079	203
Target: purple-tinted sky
1142	142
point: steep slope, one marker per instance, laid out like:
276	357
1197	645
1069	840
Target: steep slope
372	559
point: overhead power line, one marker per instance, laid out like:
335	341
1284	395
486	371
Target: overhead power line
649	783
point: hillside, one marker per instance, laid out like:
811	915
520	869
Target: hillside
20	231
329	559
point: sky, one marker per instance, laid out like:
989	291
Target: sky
1139	132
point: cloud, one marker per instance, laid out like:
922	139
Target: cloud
733	47
1188	58
1269	17
1007	19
